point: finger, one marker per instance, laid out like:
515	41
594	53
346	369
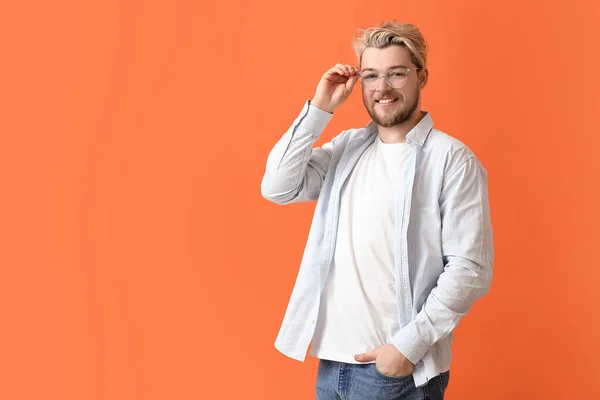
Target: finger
350	69
340	69
365	357
342	66
352	81
345	71
333	71
337	71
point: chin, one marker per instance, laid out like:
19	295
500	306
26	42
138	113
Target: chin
391	119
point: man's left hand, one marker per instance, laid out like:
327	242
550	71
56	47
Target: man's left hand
388	360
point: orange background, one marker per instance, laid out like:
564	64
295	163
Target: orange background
139	260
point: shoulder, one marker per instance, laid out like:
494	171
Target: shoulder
441	143
448	150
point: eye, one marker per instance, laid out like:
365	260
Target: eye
369	77
398	74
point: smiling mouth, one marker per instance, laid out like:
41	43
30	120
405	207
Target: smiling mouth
386	101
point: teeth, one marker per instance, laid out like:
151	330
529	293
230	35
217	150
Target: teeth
385	101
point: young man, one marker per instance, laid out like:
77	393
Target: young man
401	241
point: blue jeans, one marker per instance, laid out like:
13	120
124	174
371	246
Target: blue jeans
342	381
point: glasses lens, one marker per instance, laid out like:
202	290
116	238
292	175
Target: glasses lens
397	77
369	80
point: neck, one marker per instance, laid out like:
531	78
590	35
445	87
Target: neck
397	133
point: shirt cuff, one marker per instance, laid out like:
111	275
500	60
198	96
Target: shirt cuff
315	119
410	344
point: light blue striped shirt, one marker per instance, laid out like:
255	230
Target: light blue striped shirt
443	237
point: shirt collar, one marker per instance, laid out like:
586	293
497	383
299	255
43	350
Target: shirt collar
417	135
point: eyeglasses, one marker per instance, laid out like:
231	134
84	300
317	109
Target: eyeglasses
395	77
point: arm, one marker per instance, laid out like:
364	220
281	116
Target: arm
468	254
295	170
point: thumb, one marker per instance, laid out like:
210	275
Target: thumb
352	81
366	357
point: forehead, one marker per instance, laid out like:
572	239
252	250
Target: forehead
382	59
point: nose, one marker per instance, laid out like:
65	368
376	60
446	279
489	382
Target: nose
385	84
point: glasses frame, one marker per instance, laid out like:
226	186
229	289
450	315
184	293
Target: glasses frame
385	77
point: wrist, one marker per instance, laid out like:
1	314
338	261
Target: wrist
320	105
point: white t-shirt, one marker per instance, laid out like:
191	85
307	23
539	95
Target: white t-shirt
359	310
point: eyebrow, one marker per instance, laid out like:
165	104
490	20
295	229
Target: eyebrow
395	66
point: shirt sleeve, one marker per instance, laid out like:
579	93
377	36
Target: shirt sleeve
295	170
468	254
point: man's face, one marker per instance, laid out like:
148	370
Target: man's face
405	101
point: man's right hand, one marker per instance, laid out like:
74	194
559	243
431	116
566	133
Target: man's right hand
335	87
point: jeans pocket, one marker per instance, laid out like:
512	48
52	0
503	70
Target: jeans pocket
399	378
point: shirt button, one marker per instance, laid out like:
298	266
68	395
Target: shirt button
313	321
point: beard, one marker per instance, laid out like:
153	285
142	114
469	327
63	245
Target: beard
391	118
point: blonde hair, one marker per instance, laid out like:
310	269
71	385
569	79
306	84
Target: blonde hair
392	33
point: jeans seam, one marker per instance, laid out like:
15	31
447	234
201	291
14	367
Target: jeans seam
340	380
443	383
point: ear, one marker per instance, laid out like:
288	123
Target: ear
423	77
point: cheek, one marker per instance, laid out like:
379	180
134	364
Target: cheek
410	93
